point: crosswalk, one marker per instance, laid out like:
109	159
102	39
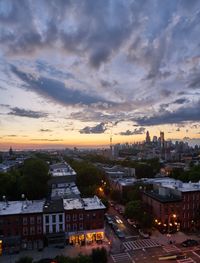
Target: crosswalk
140	244
186	260
122	257
171	248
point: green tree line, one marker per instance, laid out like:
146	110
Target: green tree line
30	180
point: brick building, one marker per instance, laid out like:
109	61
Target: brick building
84	220
21	225
174	205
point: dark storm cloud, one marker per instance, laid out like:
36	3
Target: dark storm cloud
184	114
136	131
99	128
27	113
55	90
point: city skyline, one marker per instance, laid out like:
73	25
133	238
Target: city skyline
76	72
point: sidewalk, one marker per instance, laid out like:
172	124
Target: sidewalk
164	239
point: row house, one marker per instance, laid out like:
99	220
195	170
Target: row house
21	225
53	222
175	205
34	224
84	220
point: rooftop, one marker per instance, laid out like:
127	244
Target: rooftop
65	190
53	206
163	198
61	169
21	207
92	203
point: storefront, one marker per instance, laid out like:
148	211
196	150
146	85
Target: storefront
92	236
77	239
87	237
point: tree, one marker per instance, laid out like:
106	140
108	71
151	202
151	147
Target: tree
25	260
134	209
115	195
87	172
35	177
99	255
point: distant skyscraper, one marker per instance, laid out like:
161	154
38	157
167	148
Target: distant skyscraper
155	139
148	139
162	139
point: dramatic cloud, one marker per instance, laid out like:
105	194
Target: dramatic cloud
27	113
111	62
190	114
136	131
56	90
100	128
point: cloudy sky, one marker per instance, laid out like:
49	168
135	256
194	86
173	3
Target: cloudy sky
72	72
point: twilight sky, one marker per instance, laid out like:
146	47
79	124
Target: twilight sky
72	71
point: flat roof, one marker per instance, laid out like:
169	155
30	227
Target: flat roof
21	207
163	199
61	169
92	203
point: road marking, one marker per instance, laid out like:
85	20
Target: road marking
122	257
171	248
196	254
186	260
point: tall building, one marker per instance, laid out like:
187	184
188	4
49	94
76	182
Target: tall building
148	139
162	139
155	139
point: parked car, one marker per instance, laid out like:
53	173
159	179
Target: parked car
189	243
108	219
119	233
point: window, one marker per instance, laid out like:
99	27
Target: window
60	227
81	226
54	228
80	216
47	229
74	227
25	221
32	230
53	218
74	217
39	220
32	220
94	215
60	218
47	219
68	227
25	231
39	229
68	218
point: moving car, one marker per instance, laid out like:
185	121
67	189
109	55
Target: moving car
118	220
189	243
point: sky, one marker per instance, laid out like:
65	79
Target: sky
75	72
